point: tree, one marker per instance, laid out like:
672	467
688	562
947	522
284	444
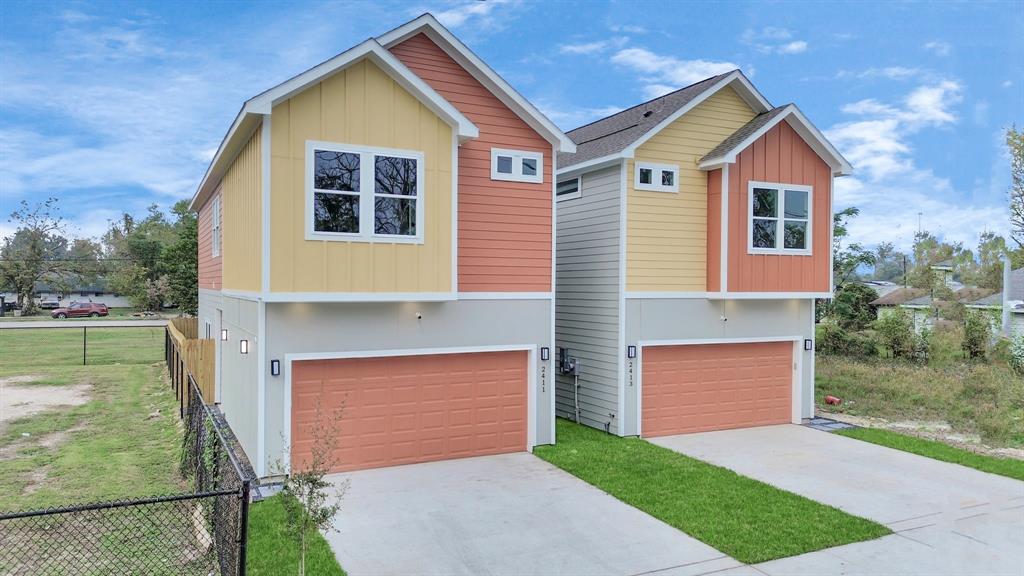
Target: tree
889	263
986	269
180	260
929	251
1015	142
34	252
852	307
846	259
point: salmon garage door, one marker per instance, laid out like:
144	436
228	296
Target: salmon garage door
407	409
697	388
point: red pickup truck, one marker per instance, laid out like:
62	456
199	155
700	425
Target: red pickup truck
80	310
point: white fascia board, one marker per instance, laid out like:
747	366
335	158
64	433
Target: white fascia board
244	124
810	134
736	79
590	165
484	74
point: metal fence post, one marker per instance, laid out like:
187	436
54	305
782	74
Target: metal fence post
84	339
243	537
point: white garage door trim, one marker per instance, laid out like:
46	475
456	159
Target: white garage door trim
797	368
531	380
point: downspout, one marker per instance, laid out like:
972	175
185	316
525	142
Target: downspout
1006	295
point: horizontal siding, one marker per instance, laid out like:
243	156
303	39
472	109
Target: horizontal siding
587	297
210	275
667	233
504	228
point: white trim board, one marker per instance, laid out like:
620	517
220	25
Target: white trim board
797	384
531	381
780	219
727	295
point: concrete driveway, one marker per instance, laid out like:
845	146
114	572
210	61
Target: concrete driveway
508	514
947	519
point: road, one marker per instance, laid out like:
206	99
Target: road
84	324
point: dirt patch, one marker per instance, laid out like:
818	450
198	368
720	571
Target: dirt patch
21	401
929	430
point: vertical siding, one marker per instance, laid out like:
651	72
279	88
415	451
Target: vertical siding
504	227
667	233
241	215
781	155
361	105
210	273
587	296
714	230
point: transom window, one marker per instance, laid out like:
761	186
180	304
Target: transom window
656	177
517	165
364	193
215	228
568	189
780	218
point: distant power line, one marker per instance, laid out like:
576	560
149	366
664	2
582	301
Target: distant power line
88	260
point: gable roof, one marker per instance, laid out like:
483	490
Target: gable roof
739	140
995	299
252	111
427	24
1015	291
969	294
901	296
618	135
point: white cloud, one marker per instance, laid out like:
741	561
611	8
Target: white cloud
1007	83
773	40
662	74
593	47
890	187
938	48
889	72
569	117
471	10
629	29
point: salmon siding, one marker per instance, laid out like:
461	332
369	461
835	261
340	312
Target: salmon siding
504	228
209	265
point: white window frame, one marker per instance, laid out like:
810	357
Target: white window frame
656	169
571	195
215	228
367	195
780	219
517	165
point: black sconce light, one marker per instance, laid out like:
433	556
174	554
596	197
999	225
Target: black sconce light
243	346
275	367
545	354
224	334
808	344
630	351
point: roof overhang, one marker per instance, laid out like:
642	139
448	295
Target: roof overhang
252	112
796	119
483	73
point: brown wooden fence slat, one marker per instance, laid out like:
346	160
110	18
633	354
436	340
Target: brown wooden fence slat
196	356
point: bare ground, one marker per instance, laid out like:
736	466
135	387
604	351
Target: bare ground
929	430
17	401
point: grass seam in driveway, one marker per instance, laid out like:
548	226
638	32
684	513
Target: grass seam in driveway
747	519
1008	467
273	550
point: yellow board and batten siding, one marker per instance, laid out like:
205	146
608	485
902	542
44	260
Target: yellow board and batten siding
241	216
363	106
666	233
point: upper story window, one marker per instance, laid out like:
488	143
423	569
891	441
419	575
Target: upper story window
517	165
780	218
656	177
360	193
568	189
215	227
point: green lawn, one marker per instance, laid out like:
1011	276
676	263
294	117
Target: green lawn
744	518
28	350
273	552
939	451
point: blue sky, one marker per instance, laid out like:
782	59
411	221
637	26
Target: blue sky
114	106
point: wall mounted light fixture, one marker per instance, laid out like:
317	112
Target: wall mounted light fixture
243	346
808	344
224	334
630	351
275	367
545	354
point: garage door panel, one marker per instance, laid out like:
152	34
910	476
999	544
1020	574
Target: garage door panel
402	410
696	388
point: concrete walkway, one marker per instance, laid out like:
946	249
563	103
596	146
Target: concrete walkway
510	514
947	519
86	323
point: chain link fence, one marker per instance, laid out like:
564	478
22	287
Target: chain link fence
201	533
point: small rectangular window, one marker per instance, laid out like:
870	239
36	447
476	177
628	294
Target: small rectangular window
517	165
779	218
656	177
568	189
215	227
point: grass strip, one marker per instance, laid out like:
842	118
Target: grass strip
742	517
273	551
939	451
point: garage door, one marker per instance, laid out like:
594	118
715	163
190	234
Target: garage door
696	388
407	409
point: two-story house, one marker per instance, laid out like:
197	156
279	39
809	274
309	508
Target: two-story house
693	234
377	236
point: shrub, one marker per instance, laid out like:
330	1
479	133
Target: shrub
1017	354
852	307
977	334
832	340
896	333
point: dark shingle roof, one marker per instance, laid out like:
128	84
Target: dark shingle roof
616	132
901	296
969	294
990	300
737	137
1016	290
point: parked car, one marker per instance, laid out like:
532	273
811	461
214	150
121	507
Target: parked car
81	309
49	303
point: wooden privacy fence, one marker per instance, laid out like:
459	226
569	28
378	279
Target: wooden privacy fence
187	354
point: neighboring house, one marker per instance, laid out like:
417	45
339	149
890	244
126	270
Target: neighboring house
96	291
376	235
1013	302
881	287
694	233
925	310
